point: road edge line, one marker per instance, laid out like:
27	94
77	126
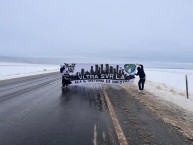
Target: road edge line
121	137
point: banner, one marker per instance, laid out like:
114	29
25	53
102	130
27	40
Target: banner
103	73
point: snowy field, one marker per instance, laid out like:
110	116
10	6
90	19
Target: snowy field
171	77
15	70
168	84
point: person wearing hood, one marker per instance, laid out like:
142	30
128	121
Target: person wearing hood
141	74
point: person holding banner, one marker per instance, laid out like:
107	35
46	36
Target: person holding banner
65	77
66	80
141	74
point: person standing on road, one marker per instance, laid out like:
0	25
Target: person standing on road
66	80
141	74
62	71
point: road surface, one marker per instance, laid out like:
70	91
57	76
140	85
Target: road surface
36	111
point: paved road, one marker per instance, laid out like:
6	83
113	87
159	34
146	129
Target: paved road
35	111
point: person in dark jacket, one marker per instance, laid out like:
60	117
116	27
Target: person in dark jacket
141	74
66	80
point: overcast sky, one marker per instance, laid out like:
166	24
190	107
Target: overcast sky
154	30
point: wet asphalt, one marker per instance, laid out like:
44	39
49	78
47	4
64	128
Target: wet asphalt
37	111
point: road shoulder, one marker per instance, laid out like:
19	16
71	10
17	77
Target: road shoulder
139	123
169	112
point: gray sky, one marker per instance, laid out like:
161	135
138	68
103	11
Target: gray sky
153	30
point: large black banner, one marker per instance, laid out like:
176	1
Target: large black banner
104	73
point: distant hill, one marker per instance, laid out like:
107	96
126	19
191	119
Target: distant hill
58	61
31	60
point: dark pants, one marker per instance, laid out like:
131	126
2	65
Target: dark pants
141	83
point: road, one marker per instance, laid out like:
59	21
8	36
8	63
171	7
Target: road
35	111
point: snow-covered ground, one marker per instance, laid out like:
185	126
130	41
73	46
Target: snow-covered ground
168	84
15	70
